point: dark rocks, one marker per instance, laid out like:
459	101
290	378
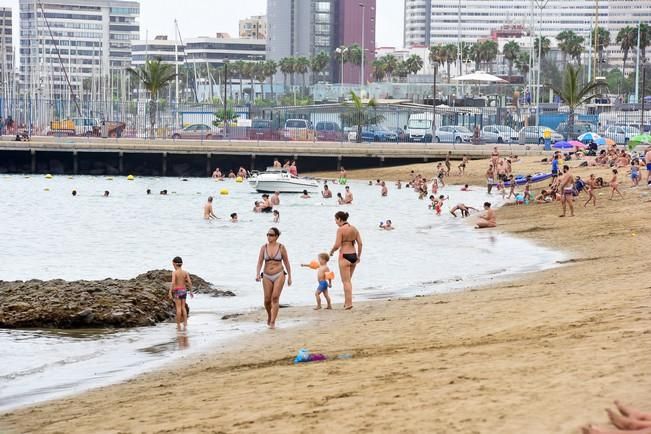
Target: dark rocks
140	301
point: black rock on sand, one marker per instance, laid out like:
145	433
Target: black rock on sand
140	301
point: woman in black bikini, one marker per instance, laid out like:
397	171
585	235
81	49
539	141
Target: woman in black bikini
274	255
349	244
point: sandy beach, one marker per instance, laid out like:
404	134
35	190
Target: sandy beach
542	353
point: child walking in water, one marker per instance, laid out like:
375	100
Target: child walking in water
324	276
179	288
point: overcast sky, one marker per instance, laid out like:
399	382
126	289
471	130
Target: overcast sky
207	17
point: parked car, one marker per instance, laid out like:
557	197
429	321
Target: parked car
329	132
535	135
498	134
197	132
377	133
578	129
261	129
298	129
452	133
621	134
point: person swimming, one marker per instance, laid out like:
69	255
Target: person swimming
305	195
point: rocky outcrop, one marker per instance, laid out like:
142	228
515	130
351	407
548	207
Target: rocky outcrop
140	301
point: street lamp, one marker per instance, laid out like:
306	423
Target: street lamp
341	51
540	4
361	75
435	68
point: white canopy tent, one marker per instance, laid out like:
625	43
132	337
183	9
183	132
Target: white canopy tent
478	77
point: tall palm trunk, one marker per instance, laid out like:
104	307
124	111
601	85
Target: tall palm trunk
152	116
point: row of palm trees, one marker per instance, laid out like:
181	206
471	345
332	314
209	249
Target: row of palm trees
389	66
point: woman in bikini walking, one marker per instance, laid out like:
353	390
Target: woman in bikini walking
349	244
273	255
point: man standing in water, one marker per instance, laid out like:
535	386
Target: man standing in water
566	187
348	198
275	198
326	193
208	211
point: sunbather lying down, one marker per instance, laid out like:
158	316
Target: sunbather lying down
626	420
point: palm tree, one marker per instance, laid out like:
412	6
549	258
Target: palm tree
474	54
237	68
379	69
451	52
354	55
627	39
287	65
360	114
390	65
601	40
270	69
574	93
414	63
402	70
522	62
546	45
260	74
248	72
511	51
154	76
645	38
318	64
302	67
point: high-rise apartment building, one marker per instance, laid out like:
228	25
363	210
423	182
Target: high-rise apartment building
447	21
254	27
6	52
308	27
89	39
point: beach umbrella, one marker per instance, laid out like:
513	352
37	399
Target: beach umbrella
610	142
640	138
601	141
563	145
577	144
586	137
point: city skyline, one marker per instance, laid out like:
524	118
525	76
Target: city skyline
157	18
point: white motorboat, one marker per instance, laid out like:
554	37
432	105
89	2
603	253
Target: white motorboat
282	181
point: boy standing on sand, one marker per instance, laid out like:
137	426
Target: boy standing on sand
179	288
324	276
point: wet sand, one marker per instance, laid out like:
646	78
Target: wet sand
543	353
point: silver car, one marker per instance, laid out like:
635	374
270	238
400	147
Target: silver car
498	134
536	135
621	134
453	133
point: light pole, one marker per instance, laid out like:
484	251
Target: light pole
541	4
341	51
435	68
361	75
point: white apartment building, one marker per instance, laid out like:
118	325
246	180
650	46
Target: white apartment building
168	51
254	27
89	39
430	22
6	53
199	51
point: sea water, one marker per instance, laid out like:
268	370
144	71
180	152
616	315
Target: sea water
47	233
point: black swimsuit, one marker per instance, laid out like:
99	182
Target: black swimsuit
350	257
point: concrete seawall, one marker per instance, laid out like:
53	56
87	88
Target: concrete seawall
95	156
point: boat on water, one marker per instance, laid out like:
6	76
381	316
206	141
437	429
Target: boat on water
282	181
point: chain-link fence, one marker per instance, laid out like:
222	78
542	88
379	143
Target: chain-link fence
335	122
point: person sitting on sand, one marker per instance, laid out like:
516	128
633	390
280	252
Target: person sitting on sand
326	193
465	210
625	419
544	197
487	219
208	211
387	225
234	218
